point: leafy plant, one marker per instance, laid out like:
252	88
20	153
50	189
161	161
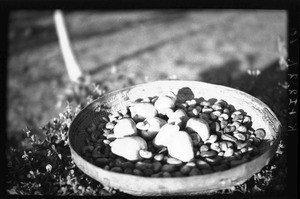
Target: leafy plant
47	168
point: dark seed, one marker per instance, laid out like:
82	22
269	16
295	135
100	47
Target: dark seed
147	172
238	155
168	167
128	170
119	162
196	139
177	174
156	166
221	167
234	163
185	169
111	164
166	175
194	172
247	156
101	161
213	117
156	175
137	172
204	116
128	165
206	171
117	169
256	141
142	165
86	149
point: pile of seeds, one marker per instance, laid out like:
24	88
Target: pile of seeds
141	140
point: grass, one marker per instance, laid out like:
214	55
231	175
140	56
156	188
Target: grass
46	167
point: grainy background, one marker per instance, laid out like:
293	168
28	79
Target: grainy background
123	48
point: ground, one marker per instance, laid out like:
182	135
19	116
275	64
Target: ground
235	48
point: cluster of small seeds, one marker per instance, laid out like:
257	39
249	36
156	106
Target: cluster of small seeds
232	142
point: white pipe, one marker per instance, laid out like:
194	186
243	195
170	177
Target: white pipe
71	63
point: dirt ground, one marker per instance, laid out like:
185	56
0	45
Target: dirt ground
236	48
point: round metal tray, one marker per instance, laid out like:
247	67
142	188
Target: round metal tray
262	117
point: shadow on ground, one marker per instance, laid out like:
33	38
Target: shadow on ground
268	86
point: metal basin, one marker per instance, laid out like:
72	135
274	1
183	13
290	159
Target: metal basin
262	117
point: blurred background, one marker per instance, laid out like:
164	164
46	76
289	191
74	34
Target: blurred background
242	49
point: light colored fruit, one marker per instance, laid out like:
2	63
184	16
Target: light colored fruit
150	127
179	117
181	147
142	110
125	127
199	126
165	134
163	103
128	147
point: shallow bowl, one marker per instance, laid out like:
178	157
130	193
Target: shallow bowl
262	117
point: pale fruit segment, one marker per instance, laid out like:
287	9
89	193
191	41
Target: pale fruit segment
179	117
142	110
199	126
151	126
164	103
128	147
165	134
181	147
125	127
